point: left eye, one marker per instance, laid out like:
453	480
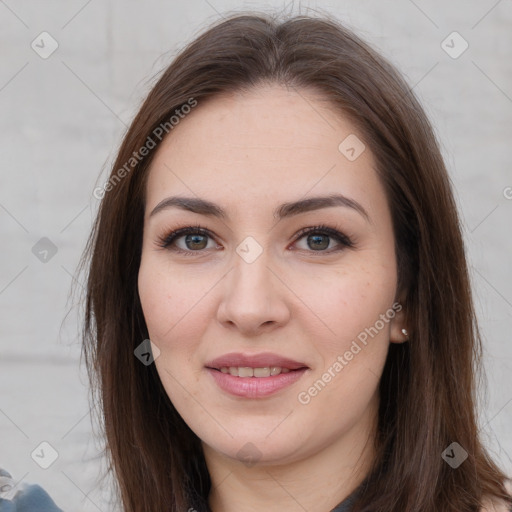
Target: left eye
318	238
196	239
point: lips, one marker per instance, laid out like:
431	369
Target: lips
254	375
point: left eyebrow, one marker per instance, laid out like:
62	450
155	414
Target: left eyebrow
205	207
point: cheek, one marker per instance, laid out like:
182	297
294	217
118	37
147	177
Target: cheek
348	301
173	303
153	294
357	309
356	312
173	310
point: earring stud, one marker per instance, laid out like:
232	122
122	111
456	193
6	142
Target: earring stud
404	332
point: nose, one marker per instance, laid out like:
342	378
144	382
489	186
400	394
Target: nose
254	297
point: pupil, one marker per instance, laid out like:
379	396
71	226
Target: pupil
195	241
319	245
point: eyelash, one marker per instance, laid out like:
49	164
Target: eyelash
166	240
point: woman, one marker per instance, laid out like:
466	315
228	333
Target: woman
278	311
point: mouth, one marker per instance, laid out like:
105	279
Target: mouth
248	371
255	375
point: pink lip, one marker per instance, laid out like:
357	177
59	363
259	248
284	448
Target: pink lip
254	387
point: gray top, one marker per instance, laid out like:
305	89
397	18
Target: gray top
346	504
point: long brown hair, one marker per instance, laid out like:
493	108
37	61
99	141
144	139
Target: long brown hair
428	391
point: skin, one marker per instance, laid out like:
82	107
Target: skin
250	152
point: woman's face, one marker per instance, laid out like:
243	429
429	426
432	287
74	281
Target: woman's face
272	340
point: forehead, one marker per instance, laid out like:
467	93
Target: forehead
263	146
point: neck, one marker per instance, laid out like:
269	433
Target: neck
315	483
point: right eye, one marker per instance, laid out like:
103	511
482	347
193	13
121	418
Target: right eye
195	240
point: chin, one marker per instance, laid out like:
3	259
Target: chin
257	448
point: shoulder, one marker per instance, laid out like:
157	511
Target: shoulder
23	497
496	507
499	505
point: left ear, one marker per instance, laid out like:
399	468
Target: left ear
399	332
